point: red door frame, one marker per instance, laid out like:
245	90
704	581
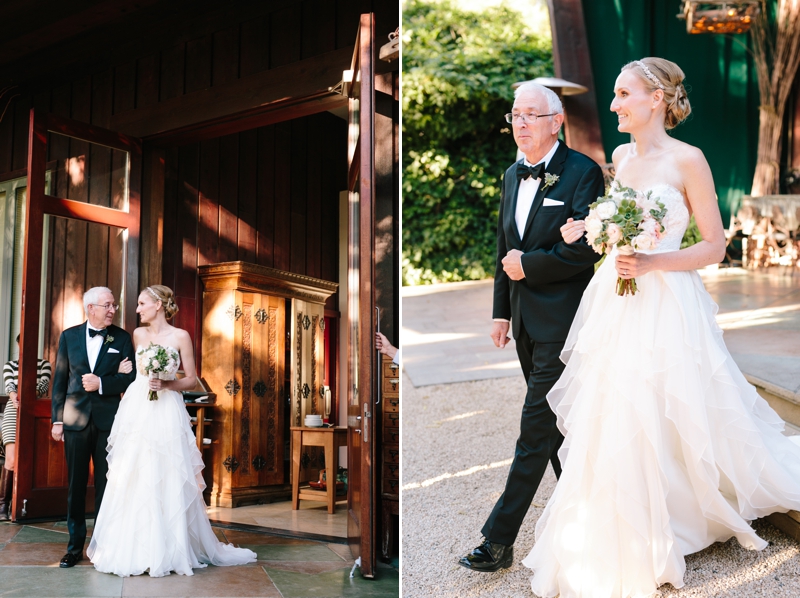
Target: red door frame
52	501
361	407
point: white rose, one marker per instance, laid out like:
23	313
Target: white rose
614	233
593	227
643	241
155	364
606	210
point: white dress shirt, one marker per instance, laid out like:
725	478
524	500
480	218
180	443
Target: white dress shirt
527	191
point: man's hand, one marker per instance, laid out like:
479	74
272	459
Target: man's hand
512	265
91	382
125	366
499	334
573	230
57	432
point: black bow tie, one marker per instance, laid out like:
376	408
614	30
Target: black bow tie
93	333
524	171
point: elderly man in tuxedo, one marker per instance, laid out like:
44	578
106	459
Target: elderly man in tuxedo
86	393
538	286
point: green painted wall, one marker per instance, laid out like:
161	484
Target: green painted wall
720	79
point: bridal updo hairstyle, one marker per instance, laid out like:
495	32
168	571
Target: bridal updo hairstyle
671	77
164	294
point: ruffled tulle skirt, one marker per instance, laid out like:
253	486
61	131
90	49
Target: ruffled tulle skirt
668	448
153	517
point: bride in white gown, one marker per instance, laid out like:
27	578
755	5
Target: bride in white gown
153	517
668	449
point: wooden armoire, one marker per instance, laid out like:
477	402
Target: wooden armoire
244	351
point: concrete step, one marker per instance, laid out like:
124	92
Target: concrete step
787	405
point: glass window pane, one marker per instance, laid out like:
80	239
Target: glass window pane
77	256
89	172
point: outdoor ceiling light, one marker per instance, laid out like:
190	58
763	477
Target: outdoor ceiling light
719	16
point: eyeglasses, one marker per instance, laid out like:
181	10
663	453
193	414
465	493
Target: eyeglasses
107	306
526	118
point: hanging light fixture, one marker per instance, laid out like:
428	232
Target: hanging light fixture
719	16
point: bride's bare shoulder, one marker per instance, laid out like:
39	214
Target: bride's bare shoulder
684	152
690	161
181	335
620	153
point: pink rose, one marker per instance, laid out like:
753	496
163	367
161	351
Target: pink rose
643	241
614	233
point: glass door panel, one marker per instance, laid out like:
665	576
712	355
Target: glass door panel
89	172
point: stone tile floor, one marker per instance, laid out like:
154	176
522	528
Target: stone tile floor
286	568
445	335
311	518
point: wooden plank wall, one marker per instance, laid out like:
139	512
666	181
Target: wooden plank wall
203	53
267	196
264	196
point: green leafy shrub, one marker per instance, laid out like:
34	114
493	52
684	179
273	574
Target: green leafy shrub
458	67
692	234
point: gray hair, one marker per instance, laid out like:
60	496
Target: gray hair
93	296
553	102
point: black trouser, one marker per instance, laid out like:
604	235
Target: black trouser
80	446
538	442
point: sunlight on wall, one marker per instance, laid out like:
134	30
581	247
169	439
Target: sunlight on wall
75	169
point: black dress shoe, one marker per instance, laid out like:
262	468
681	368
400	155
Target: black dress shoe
488	557
70	560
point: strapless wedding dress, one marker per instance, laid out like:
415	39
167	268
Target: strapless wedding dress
153	517
667	447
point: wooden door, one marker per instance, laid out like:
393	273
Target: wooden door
257	408
85	234
307	376
361	359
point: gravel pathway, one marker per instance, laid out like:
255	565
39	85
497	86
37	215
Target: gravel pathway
458	440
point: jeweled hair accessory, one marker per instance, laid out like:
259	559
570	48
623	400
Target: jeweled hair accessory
647	73
153	293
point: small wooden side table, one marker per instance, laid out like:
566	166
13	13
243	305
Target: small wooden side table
328	438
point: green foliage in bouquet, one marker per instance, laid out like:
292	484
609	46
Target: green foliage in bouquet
458	67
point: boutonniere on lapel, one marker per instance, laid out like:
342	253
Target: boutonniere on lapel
109	339
549	180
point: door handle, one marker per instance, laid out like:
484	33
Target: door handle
367	416
380	361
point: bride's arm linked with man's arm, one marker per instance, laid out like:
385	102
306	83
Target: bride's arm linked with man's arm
564	260
699	190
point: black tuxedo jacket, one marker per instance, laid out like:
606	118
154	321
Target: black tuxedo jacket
556	273
71	403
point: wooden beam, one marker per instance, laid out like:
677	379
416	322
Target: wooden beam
572	62
251	119
303	78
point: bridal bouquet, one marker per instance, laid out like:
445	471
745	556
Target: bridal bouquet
156	360
630	220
